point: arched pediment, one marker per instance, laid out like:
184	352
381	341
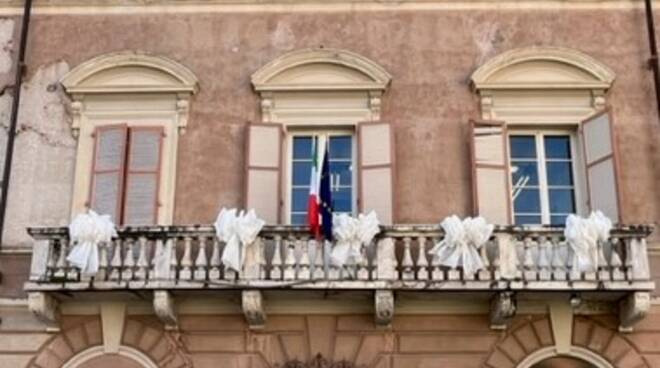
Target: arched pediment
543	67
129	72
320	69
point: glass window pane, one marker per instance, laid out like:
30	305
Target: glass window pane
341	147
557	146
524	173
299	219
301	173
561	201
528	220
528	201
522	146
302	147
559	173
299	199
558	220
342	201
343	171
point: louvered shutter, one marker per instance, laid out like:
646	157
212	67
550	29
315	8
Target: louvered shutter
601	163
376	169
263	170
142	176
490	171
108	169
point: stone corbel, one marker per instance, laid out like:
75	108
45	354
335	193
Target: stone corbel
164	309
252	302
384	307
375	104
46	309
502	309
632	309
182	112
75	109
266	107
598	99
486	102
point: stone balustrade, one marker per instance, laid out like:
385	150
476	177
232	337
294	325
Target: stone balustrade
189	257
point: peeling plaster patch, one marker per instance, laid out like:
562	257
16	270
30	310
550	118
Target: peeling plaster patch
487	36
44	156
283	37
6	44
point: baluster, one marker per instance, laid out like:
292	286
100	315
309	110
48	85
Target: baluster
186	261
485	273
53	255
102	274
422	262
603	265
618	273
334	272
639	259
214	272
558	263
290	259
115	264
201	262
142	264
545	259
129	261
407	266
319	272
437	273
529	265
386	262
60	265
72	272
174	260
627	243
362	267
304	264
262	263
276	262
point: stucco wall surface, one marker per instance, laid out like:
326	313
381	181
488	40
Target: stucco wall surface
430	55
413	341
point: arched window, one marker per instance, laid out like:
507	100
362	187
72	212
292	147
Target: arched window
96	357
309	97
545	141
128	110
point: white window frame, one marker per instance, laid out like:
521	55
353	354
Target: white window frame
576	159
306	131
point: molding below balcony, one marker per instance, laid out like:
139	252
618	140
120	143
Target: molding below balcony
252	302
46	308
384	307
633	309
502	309
164	309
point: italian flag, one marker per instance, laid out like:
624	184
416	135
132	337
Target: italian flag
314	202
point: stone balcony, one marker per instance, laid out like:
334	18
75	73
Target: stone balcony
173	259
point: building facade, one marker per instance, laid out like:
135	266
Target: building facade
161	112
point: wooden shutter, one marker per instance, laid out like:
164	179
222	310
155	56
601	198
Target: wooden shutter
264	170
108	170
376	170
142	176
490	171
601	163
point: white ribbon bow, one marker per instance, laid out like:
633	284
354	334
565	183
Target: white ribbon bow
583	235
87	231
237	231
351	234
461	243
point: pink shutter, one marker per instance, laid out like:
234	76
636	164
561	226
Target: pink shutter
108	170
263	170
142	176
491	186
376	170
601	163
